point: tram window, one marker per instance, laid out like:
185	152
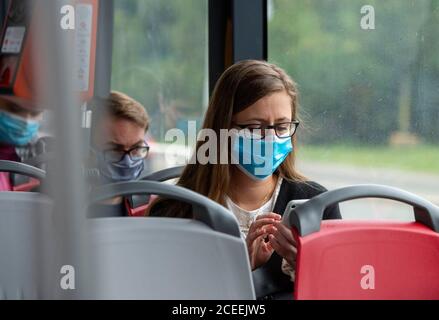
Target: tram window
160	59
376	209
368	80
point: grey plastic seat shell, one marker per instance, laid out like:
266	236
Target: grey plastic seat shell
166	258
25	245
203	209
21	168
132	258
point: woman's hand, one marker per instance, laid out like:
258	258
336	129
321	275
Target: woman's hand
258	249
283	242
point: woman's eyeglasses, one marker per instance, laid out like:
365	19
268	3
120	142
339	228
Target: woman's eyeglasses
259	131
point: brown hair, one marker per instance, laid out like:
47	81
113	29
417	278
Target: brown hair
120	106
240	86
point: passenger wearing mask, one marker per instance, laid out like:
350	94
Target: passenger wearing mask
119	146
257	103
19	124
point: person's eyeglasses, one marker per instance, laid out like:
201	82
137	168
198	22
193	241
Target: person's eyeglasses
258	131
135	154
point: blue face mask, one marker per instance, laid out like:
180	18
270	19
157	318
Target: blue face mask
259	158
15	130
124	170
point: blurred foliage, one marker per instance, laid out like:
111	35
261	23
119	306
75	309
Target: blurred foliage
159	58
355	84
352	80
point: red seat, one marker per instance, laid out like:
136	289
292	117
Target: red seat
368	260
28	186
339	259
35	176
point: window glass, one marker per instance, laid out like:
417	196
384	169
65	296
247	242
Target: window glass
160	59
368	77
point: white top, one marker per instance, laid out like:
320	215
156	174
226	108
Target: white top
246	217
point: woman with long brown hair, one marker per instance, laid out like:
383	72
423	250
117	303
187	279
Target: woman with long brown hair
258	103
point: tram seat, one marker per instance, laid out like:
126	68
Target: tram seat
25	226
137	205
169	258
26	177
365	260
41	156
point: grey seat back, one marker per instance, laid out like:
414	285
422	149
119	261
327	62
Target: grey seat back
25	226
131	258
166	258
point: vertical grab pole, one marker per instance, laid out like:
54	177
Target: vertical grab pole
66	186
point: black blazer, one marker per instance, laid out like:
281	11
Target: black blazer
269	280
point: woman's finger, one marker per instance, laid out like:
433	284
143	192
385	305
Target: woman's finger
287	252
275	245
253	235
281	239
262	222
286	232
265	246
270	215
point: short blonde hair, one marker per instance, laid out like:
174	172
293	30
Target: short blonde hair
121	106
